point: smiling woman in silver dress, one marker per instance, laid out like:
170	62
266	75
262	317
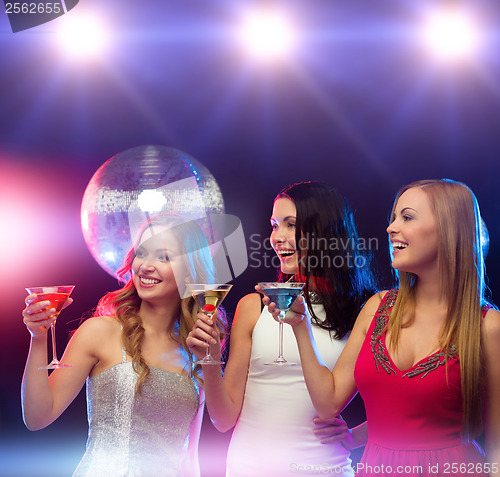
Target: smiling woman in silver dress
144	401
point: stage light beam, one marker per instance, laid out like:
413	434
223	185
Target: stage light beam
267	35
82	36
450	35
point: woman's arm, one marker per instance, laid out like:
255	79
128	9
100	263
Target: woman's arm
44	398
330	391
224	396
491	338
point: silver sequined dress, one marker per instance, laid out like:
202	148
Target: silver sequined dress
137	437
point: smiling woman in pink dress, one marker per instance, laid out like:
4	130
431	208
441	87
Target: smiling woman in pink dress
425	357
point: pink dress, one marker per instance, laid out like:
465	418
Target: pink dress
414	415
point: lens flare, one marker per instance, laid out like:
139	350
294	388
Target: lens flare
82	36
267	35
450	35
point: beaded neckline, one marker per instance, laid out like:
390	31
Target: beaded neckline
381	355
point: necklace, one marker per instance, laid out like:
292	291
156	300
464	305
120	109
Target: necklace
314	297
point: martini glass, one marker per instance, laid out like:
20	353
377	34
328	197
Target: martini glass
57	295
283	294
209	297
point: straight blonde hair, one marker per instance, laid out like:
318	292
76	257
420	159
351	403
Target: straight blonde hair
461	274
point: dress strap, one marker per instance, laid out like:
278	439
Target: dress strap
386	305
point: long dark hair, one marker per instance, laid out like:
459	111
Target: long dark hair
331	255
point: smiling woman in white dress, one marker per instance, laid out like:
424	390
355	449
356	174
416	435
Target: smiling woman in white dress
314	235
144	400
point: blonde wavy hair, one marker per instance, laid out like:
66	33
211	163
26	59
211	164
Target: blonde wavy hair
124	304
461	273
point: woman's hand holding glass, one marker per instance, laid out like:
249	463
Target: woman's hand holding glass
296	315
203	333
39	315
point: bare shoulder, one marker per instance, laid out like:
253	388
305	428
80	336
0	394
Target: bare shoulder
96	330
99	324
491	325
490	331
248	311
365	317
371	306
250	302
100	339
374	301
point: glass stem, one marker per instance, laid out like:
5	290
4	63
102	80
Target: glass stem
53	334
207	351
280	351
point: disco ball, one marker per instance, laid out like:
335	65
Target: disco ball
135	184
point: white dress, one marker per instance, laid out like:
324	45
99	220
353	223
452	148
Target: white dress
274	434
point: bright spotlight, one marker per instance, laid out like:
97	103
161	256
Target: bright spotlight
451	35
81	36
267	34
